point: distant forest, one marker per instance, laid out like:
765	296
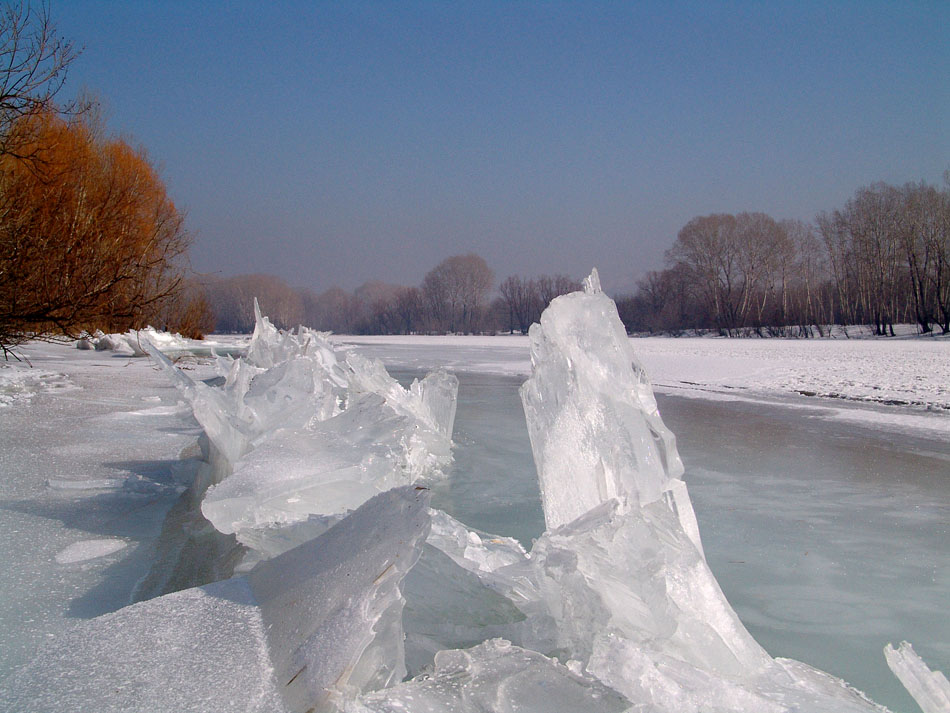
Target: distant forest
882	259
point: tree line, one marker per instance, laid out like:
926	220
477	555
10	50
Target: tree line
89	237
455	297
882	259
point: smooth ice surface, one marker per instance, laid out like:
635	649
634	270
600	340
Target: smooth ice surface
828	540
929	688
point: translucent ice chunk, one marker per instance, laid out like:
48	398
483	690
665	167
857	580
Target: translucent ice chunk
494	676
473	550
450	607
332	606
432	400
303	631
666	684
618	581
327	468
929	688
595	430
637	575
298	434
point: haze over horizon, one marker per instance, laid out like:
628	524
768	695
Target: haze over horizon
337	143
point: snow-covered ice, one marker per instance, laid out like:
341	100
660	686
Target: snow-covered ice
89	549
196	650
19	385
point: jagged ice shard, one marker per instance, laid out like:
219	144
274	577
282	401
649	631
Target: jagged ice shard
617	589
301	434
620	569
303	631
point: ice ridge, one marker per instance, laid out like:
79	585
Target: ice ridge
300	434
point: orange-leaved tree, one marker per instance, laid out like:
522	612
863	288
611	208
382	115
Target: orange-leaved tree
88	235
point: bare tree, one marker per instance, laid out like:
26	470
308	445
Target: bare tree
520	297
335	310
34	62
232	302
867	261
804	303
187	311
456	291
408	305
924	235
706	250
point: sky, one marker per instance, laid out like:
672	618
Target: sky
333	143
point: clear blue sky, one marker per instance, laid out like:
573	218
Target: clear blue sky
332	143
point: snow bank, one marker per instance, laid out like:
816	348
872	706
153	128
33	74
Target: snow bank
880	372
134	343
89	549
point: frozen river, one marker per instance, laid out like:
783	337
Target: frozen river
828	538
825	521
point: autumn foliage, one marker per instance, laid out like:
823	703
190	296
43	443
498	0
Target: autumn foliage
88	235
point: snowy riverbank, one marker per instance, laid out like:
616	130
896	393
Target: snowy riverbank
901	385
